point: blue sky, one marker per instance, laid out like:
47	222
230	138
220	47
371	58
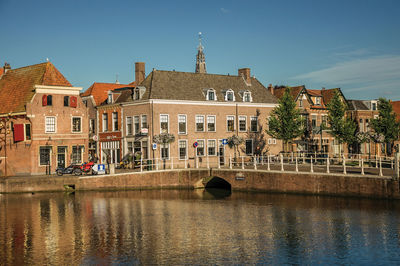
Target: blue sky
354	45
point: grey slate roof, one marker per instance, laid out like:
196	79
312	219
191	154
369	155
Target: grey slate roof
357	105
173	85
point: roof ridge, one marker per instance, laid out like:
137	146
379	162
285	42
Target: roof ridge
12	69
193	73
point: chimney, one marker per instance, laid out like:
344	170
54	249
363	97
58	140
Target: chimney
271	89
323	88
140	73
245	73
6	67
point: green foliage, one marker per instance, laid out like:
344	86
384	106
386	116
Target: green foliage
285	122
342	128
386	124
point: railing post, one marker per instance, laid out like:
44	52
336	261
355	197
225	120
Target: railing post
197	162
362	166
391	162
380	166
156	164
344	165
255	162
396	160
376	162
230	161
359	161
282	162
268	164
262	160
311	166
219	161
327	164
304	159
185	163
208	163
242	162
141	165
297	165
172	163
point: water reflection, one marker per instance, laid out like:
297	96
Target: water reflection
195	227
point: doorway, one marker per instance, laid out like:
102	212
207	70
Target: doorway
61	155
221	153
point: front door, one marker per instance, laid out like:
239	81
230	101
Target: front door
61	151
221	153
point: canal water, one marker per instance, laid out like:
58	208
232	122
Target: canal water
198	227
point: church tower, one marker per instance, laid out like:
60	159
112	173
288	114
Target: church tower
200	58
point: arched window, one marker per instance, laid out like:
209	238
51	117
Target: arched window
230	96
211	95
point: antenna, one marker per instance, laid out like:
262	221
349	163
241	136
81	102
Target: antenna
116	80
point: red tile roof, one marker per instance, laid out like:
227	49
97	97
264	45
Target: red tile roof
17	85
1	71
99	90
294	91
396	109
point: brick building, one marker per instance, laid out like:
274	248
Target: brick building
44	121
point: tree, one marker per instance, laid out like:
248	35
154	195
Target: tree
164	139
342	128
259	142
285	122
234	141
386	124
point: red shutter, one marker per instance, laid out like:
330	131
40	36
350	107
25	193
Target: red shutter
19	132
44	100
73	101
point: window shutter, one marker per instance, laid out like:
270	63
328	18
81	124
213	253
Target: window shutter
73	101
44	100
19	132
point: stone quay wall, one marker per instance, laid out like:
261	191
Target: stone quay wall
243	180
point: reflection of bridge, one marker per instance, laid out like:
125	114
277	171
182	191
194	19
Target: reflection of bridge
238	179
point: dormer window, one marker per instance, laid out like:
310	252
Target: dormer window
247	96
374	106
318	100
230	96
211	95
109	100
137	94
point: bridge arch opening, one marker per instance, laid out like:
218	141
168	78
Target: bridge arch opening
219	183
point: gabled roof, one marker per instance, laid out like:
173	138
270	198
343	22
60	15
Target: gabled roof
326	94
17	85
173	85
294	91
100	90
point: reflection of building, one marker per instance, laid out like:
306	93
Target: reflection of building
47	120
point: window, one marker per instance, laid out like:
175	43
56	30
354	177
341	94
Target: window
182	149
129	128
165	151
49	100
301	102
115	121
211	146
144	121
92	126
230	123
249	147
272	141
318	100
361	125
373	106
200	123
324	120
137	94
66	100
247	96
50	124
211	95
230	96
211	123
254	124
164	123
76	124
105	122
27	131
77	154
44	155
109	99
130	147
137	124
242	123
200	148
314	121
181	124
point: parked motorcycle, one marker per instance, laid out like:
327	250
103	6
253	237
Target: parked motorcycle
71	169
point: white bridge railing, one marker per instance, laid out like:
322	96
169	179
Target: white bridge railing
360	164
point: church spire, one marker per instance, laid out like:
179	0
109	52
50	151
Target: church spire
200	58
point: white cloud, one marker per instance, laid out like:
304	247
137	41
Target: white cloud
224	10
380	73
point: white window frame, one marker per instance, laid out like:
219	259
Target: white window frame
226	95
215	146
104	125
113	121
215	95
250	97
169	151
167	115
109	97
318	100
245	123
234	124
127	118
141	122
46	127
136	130
50	155
258	126
185	116
204	147
92	128
186	145
72	124
215	123
195	124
